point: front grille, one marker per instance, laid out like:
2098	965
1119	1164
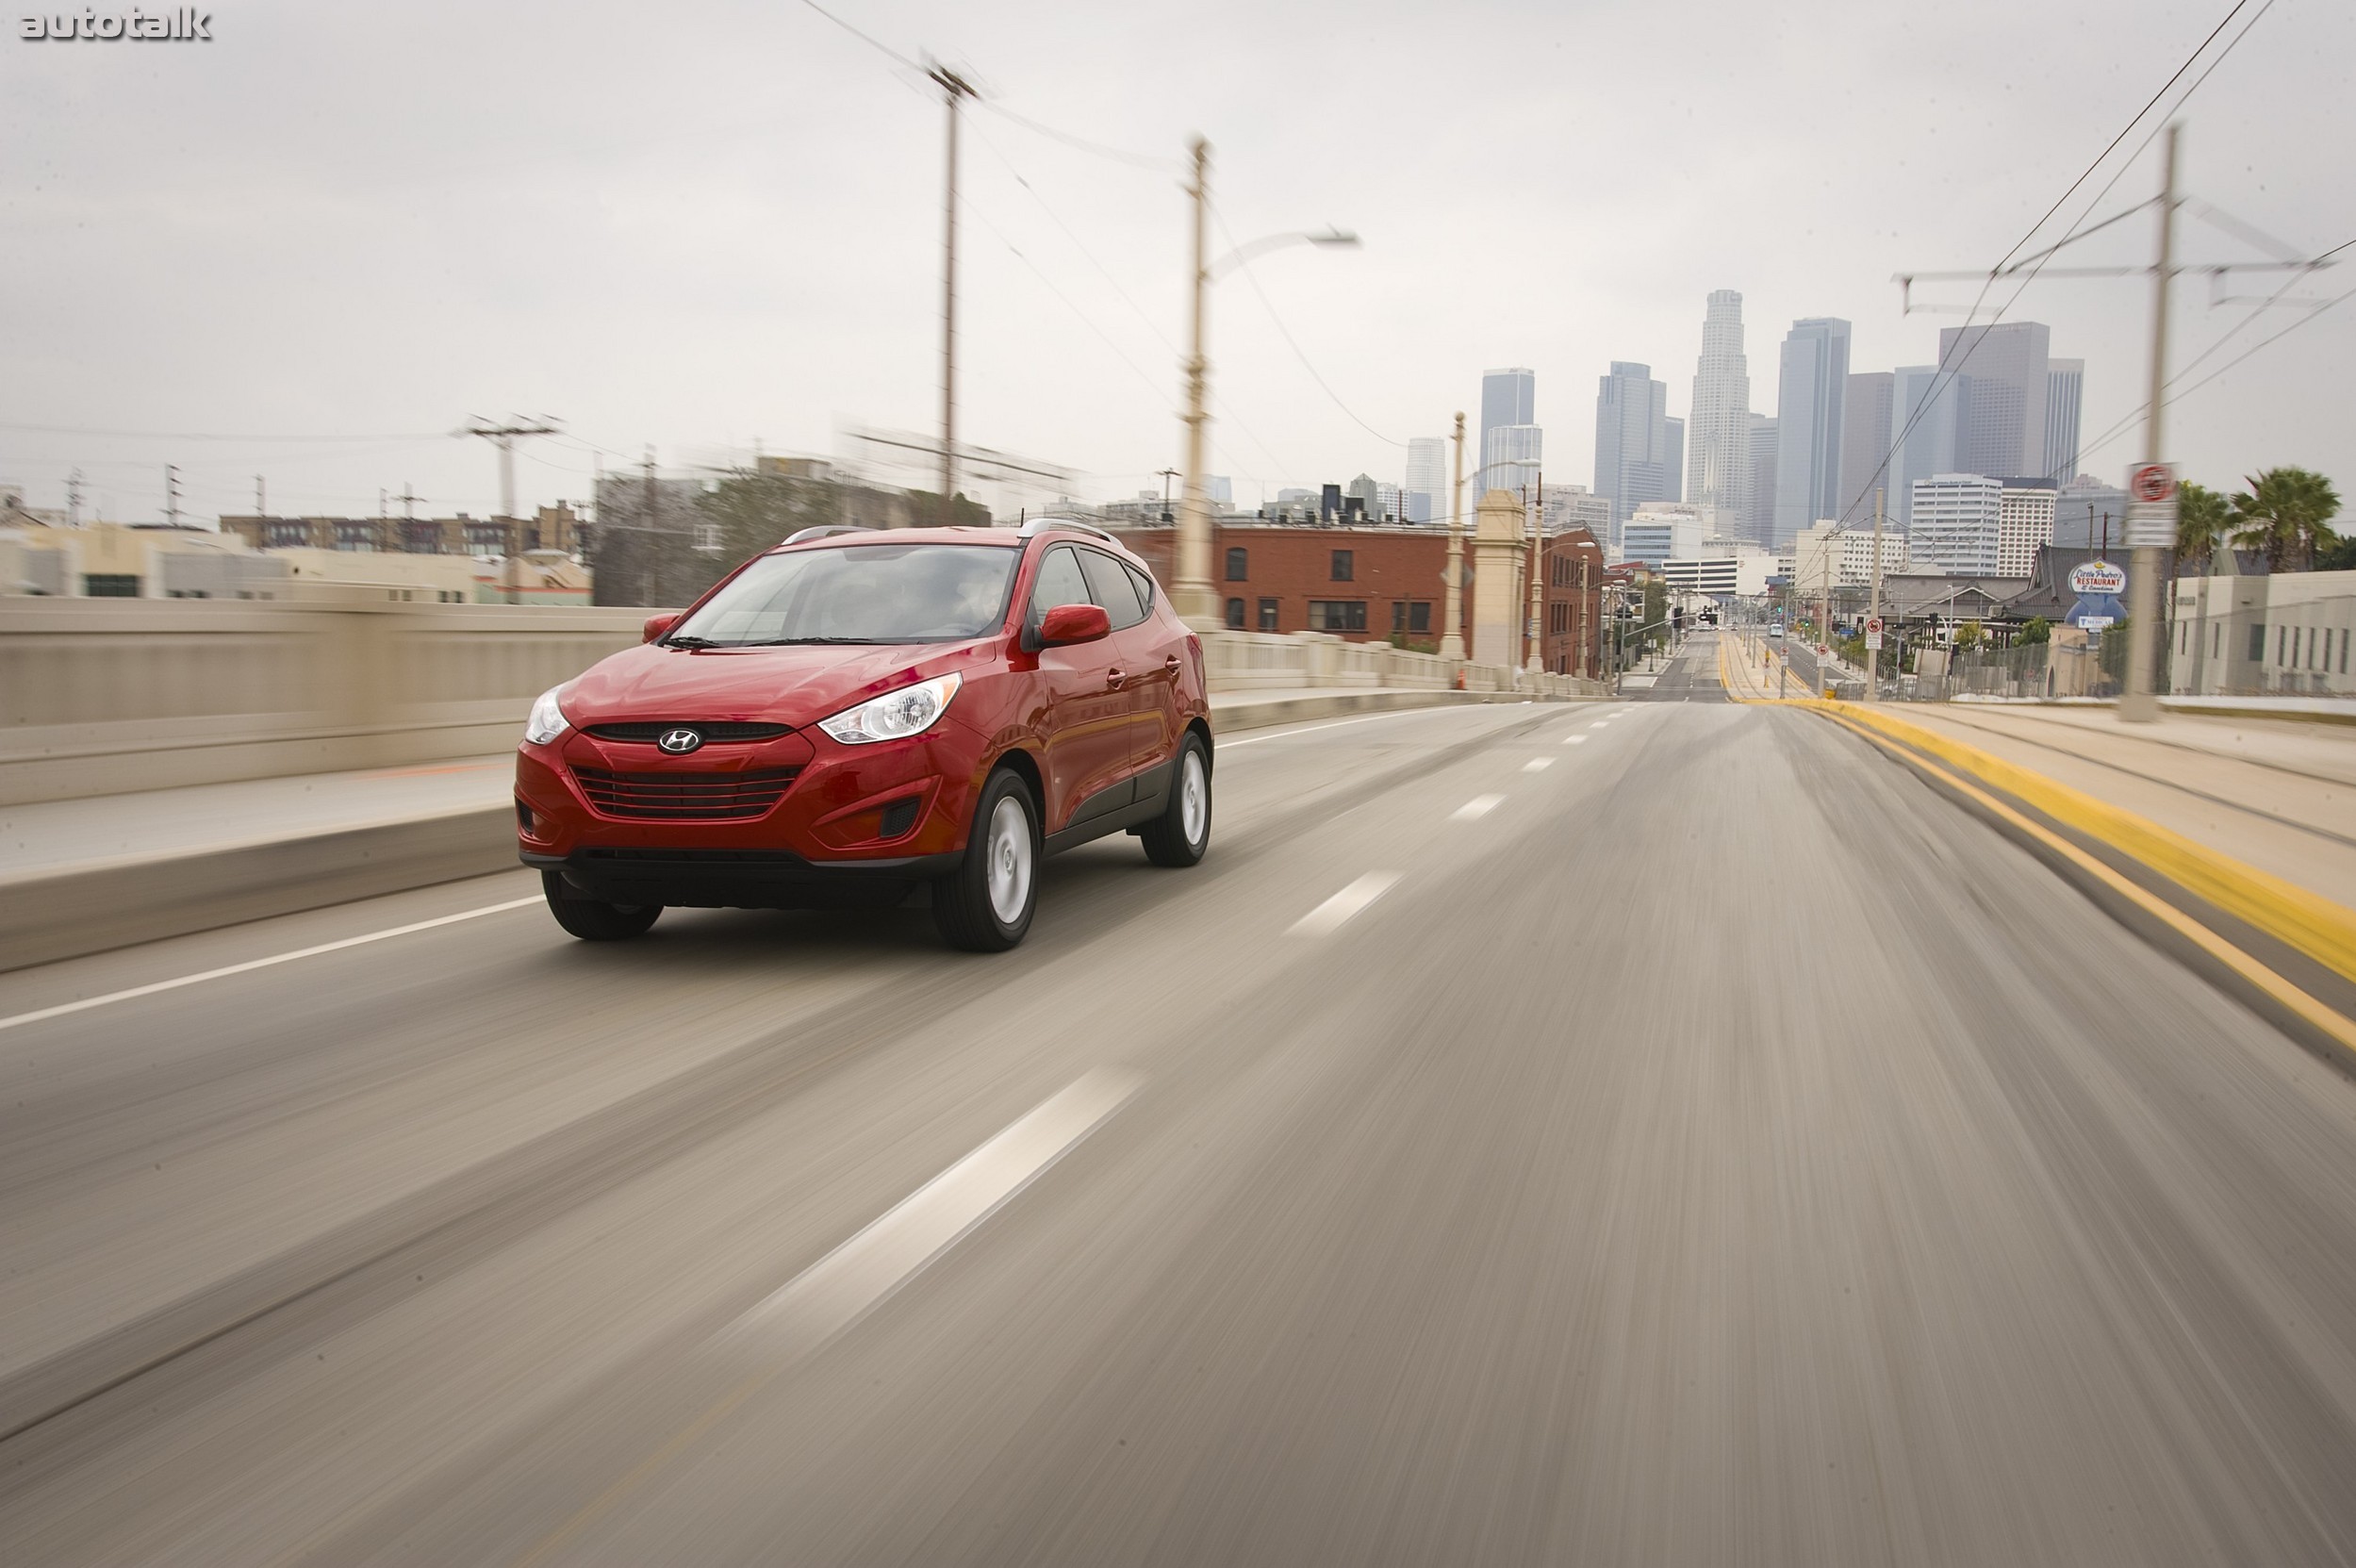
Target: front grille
693	797
717	733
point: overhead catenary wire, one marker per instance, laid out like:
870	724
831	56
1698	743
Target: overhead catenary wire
1944	375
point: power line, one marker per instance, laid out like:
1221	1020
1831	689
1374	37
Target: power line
1942	375
1139	160
195	435
872	43
1266	303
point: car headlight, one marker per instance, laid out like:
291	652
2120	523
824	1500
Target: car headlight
896	715
548	720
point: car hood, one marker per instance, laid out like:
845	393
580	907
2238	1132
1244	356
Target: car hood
782	685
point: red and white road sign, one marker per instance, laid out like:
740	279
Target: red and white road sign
1873	633
2150	482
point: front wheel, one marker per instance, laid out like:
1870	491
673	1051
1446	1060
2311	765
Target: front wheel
1180	835
594	919
985	905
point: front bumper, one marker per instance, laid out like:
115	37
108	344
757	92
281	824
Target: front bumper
740	879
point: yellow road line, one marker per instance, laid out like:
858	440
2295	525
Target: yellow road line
2324	930
2326	1019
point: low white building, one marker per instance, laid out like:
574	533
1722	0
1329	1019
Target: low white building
2284	634
1660	530
1957	524
1723	568
2024	520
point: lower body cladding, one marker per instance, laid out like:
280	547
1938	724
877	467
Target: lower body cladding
685	877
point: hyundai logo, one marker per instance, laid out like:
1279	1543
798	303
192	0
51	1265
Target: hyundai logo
679	742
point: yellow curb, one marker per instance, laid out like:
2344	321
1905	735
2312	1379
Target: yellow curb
2325	1019
2324	930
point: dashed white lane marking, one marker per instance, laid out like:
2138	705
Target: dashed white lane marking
1575	740
1312	729
1477	807
845	1285
1537	765
227	969
1330	916
1599	724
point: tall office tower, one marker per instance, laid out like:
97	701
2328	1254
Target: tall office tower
1427	479
2024	520
1631	440
1510	460
2064	385
1508	397
1758	512
1958	524
1922	404
1673	459
1865	433
2001	422
1718	454
1810	400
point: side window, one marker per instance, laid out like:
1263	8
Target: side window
1059	583
1109	585
1239	564
1144	588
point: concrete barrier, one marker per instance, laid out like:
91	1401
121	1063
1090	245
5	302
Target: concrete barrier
104	697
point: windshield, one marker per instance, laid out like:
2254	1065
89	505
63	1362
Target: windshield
858	593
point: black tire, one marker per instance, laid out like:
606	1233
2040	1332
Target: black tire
976	909
594	919
1181	834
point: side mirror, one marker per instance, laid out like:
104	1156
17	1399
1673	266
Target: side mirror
1070	624
658	624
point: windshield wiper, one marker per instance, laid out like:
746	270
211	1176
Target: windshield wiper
814	642
692	641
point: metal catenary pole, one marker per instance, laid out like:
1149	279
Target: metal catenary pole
2144	554
1196	603
1452	639
1874	609
953	87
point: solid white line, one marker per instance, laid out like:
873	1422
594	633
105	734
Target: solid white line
1329	917
1537	765
848	1282
224	972
1477	807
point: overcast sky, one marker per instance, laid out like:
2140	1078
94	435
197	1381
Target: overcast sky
706	224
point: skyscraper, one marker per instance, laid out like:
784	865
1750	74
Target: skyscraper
1512	458
1427	479
2001	421
1958	524
1717	455
1632	453
1508	397
2064	385
1672	460
1758	512
1809	408
1922	404
2024	521
1865	433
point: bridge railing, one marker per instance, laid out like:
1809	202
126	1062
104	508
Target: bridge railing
102	696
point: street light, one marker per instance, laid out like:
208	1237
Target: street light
1197	603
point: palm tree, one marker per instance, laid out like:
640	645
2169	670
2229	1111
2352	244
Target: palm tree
2287	513
2201	522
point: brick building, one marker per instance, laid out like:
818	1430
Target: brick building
553	528
1376	585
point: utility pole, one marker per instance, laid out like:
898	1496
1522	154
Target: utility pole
2147	541
1585	620
171	495
504	436
1167	475
1196	603
1874	609
953	87
409	499
73	499
261	498
1535	660
1452	621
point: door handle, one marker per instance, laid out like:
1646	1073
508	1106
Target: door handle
1170	665
1114	679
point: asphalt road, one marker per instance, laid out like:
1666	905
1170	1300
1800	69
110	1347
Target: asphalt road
1634	1133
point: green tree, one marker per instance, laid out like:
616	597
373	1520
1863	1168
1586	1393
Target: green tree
2287	513
2204	518
2340	556
1970	635
2035	629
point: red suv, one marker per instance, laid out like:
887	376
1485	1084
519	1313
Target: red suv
857	713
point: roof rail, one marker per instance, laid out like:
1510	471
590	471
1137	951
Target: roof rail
827	531
1040	525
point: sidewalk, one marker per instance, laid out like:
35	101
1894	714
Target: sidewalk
85	876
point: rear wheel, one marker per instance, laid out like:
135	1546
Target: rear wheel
594	919
985	905
1180	835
